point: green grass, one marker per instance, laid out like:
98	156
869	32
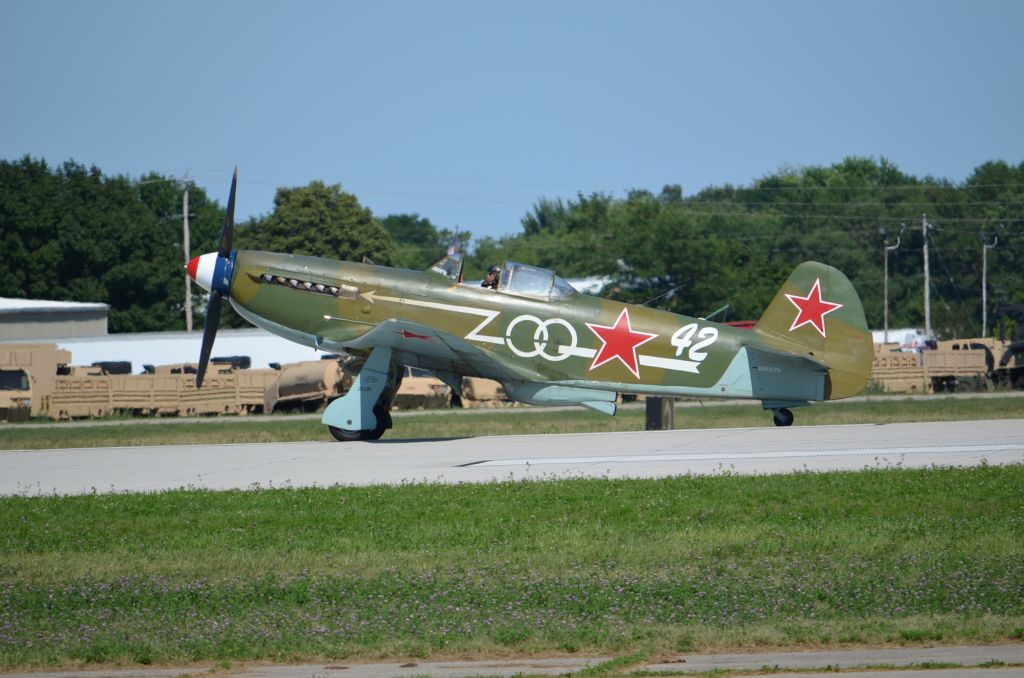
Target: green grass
457	423
602	567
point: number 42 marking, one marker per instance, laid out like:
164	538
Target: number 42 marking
683	339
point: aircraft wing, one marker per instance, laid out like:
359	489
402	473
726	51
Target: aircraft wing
423	346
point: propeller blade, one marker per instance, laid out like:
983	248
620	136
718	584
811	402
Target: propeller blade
228	232
213	309
209	333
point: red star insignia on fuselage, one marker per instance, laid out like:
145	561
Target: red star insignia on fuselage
619	341
812	309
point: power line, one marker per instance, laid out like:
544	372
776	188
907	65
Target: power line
930	203
866	218
861	187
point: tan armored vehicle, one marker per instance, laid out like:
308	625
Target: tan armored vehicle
306	386
478	392
421	390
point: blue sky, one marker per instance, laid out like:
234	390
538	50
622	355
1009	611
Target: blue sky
469	112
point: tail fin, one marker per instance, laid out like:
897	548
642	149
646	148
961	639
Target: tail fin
817	312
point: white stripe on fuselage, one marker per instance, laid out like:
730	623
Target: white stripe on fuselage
489	315
648	360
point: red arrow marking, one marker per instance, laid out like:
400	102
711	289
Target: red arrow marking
406	334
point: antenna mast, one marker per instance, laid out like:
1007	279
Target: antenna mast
885	305
927	291
985	247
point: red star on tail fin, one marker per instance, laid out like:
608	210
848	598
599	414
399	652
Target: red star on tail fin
812	309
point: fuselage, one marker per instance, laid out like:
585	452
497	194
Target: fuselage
544	341
574	339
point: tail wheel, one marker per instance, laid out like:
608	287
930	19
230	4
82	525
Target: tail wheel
782	417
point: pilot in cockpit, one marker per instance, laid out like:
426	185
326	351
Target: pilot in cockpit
493	275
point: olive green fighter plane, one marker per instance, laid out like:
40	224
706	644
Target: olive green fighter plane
546	343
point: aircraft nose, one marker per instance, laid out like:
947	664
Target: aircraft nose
202	269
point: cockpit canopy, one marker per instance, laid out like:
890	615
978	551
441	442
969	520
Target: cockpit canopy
516	278
531	281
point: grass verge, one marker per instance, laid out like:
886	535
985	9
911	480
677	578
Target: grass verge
456	423
603	567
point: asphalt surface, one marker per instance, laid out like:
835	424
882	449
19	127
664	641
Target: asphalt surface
640	454
997	661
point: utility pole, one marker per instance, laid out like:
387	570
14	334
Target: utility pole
927	292
885	294
187	248
985	247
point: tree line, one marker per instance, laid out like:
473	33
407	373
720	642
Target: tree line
72	233
734	246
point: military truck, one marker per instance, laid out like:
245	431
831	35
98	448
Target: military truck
15	394
951	366
478	392
28	371
166	391
306	386
421	390
1010	373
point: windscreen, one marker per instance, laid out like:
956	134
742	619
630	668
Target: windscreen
530	280
13	380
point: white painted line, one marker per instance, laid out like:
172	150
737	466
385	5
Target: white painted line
471	310
784	454
578	351
670	364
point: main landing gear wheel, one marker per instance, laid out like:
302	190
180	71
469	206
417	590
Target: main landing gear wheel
368	400
782	417
383	424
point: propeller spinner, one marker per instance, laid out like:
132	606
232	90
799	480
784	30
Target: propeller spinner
212	272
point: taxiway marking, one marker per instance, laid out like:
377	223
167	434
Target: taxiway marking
782	454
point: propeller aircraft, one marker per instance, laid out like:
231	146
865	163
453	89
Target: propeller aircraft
546	343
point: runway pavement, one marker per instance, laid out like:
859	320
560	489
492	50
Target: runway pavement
482	459
996	661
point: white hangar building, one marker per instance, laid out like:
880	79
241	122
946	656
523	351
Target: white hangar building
36	320
169	348
82	329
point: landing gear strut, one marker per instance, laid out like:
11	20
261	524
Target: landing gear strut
364	413
782	417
